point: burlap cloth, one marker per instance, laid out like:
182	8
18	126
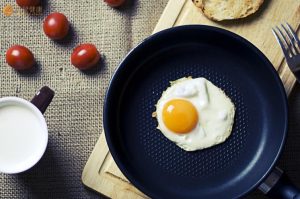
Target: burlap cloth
75	115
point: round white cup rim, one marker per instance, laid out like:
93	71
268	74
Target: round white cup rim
43	123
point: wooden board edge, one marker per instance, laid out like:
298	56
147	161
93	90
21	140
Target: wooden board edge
167	19
95	175
98	155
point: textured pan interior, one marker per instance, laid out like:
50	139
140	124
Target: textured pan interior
167	154
156	165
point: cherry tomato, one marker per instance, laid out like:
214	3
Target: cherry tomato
56	25
85	56
28	3
114	3
20	58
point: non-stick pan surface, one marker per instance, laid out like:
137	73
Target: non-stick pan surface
157	166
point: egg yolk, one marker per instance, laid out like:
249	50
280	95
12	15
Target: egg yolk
180	116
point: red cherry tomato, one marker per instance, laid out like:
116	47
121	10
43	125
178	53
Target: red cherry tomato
56	25
85	56
114	3
20	58
28	3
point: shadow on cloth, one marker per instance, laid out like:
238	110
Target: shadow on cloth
45	177
290	158
70	40
34	72
100	67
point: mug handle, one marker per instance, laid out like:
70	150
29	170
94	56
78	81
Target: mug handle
43	98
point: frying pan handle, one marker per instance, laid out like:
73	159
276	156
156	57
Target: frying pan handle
278	185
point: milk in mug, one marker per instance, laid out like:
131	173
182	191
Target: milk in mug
22	136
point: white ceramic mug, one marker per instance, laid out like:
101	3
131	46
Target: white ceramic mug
23	131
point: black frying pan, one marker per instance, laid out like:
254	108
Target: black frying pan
157	166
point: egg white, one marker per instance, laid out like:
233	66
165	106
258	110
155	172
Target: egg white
215	110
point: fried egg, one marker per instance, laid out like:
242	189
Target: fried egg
195	114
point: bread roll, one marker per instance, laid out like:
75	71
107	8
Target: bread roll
219	10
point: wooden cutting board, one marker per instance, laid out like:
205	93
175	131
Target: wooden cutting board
101	173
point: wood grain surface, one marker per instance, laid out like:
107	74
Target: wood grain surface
101	173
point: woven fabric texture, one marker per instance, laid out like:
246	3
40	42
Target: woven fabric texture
74	117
